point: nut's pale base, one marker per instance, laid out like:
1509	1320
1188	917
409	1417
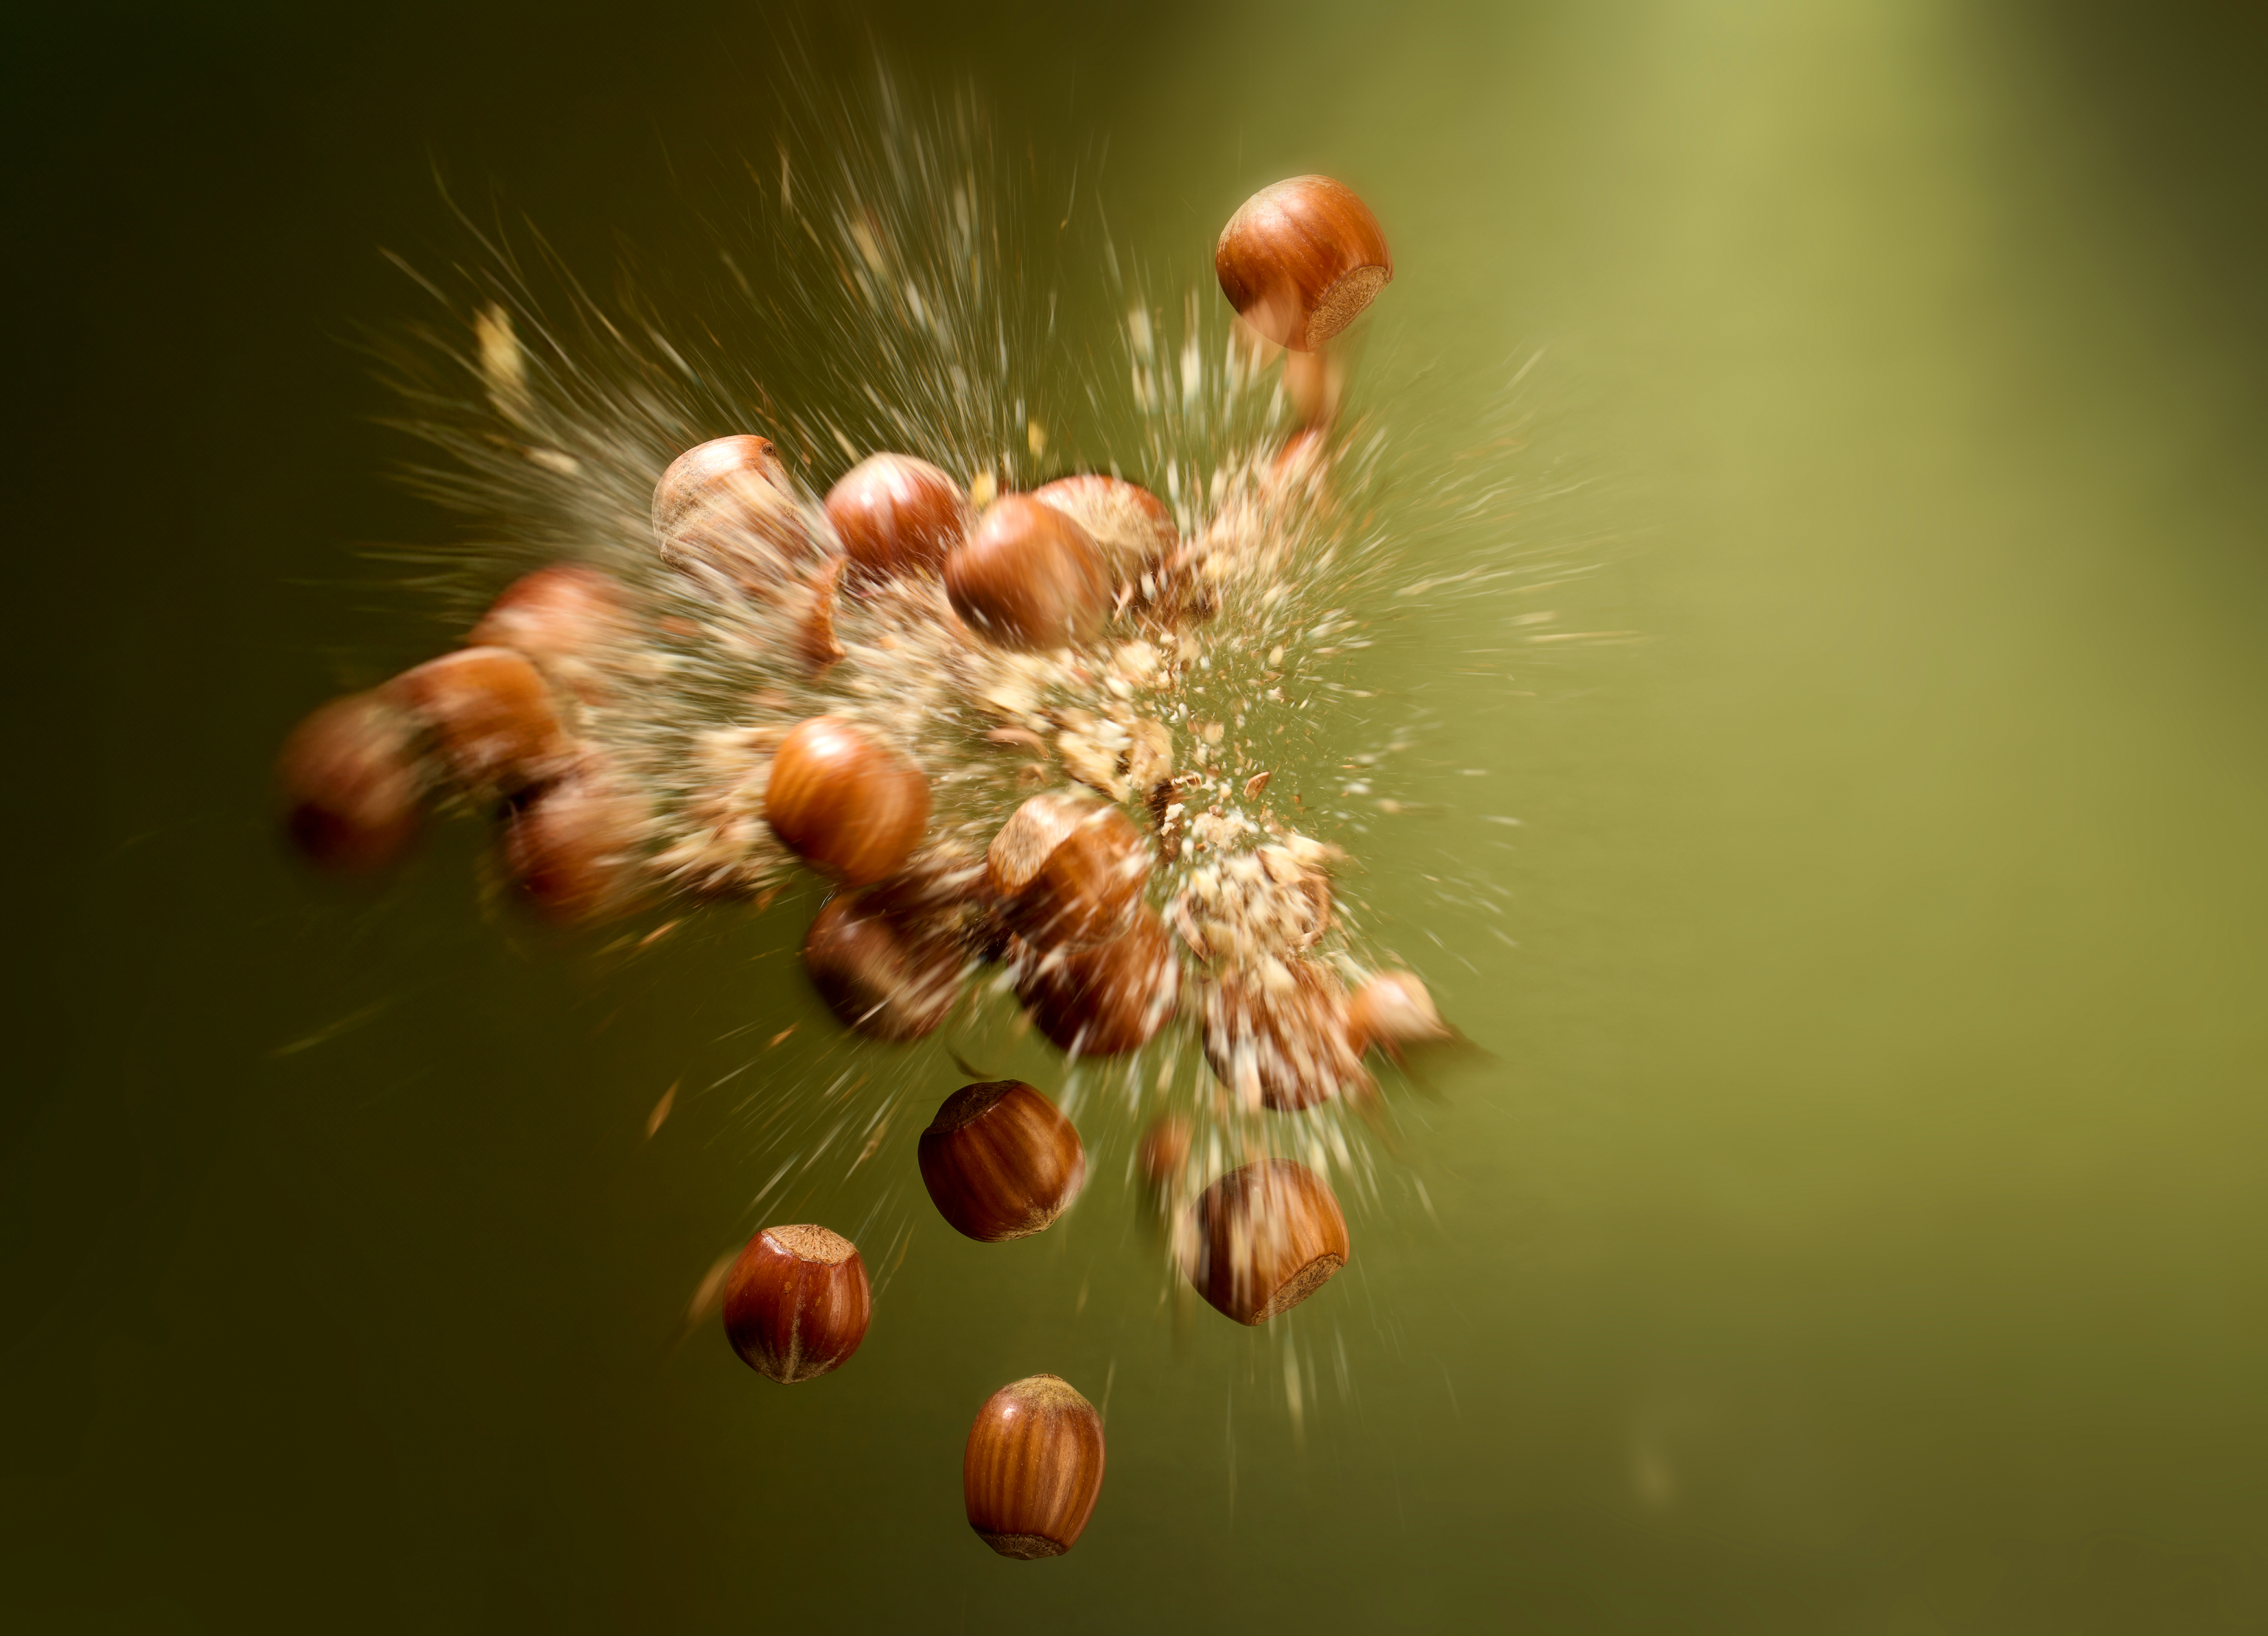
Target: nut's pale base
1298	1287
1340	305
1023	1547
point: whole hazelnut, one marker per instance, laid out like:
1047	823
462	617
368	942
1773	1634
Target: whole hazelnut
1001	1161
1132	527
1105	998
576	847
897	515
1068	868
352	784
1264	1238
844	802
1300	259
1028	577
796	1302
1392	1009
489	714
718	469
562	617
1033	1468
888	975
1277	1034
726	507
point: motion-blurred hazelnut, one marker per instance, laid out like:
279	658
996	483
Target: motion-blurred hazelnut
1132	527
1033	1468
1278	1037
897	515
796	1302
1069	869
576	847
1266	1238
490	716
563	618
1001	1161
726	507
1028	577
1163	1153
844	802
1392	1010
351	783
1105	998
1300	259
888	975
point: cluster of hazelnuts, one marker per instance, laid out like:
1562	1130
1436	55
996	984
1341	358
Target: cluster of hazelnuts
1059	896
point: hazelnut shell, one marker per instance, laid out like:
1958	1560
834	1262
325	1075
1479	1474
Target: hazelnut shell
1028	577
844	802
1300	259
1001	1161
1033	1468
897	515
1264	1238
797	1302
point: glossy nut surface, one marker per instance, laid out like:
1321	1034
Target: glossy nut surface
1028	577
1281	1045
1263	1239
1071	872
1033	1468
1105	998
885	975
576	847
897	515
489	714
351	784
563	618
796	1302
1300	259
1132	527
844	802
1001	1161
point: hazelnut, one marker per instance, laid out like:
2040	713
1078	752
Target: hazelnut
575	847
889	976
726	507
1300	259
351	783
1391	1010
1163	1152
796	1302
844	802
1131	527
1314	381
1028	577
1001	1161
718	469
1068	869
1033	1468
1280	1043
1264	1238
897	515
560	617
1105	998
489	714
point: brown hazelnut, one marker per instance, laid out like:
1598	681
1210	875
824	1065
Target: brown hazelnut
726	507
1300	259
490	716
1280	1043
1263	1239
1033	1468
575	846
560	617
1163	1153
1028	577
1001	1161
1392	1010
892	976
1132	527
1105	998
796	1302
1068	869
844	802
352	784
897	515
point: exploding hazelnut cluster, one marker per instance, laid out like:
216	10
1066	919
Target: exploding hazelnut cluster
994	721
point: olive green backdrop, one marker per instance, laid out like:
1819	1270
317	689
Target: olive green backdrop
1862	1224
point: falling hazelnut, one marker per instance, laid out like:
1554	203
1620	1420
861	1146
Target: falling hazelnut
1028	577
1264	1238
1001	1161
897	515
708	471
886	975
575	846
1033	1468
352	784
726	507
560	616
1300	259
796	1302
1105	998
1392	1010
1276	1034
1132	527
1068	868
490	716
844	802
1163	1152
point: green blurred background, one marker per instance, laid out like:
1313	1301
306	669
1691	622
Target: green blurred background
1862	1224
